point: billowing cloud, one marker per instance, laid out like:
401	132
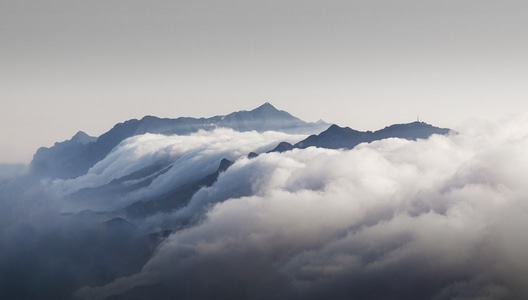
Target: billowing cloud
443	218
189	157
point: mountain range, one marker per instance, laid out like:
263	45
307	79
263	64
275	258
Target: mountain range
74	157
336	137
119	200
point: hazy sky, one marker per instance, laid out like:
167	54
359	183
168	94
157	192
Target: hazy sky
86	65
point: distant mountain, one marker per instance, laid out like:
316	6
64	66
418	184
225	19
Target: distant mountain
336	137
74	157
56	161
267	117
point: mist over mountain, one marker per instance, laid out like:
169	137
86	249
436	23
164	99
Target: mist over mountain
72	158
243	207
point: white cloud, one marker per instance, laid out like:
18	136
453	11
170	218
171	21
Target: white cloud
192	157
443	217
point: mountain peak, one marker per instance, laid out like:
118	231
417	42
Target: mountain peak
334	127
266	106
224	164
82	137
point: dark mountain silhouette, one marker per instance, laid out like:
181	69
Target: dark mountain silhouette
73	158
282	147
336	137
252	155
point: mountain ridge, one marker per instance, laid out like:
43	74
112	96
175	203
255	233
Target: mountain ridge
74	157
336	137
51	162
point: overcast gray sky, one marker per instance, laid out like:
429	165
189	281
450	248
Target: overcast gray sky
86	65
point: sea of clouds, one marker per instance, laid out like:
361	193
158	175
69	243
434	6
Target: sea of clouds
442	218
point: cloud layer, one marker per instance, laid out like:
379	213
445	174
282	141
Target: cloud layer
190	157
442	218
